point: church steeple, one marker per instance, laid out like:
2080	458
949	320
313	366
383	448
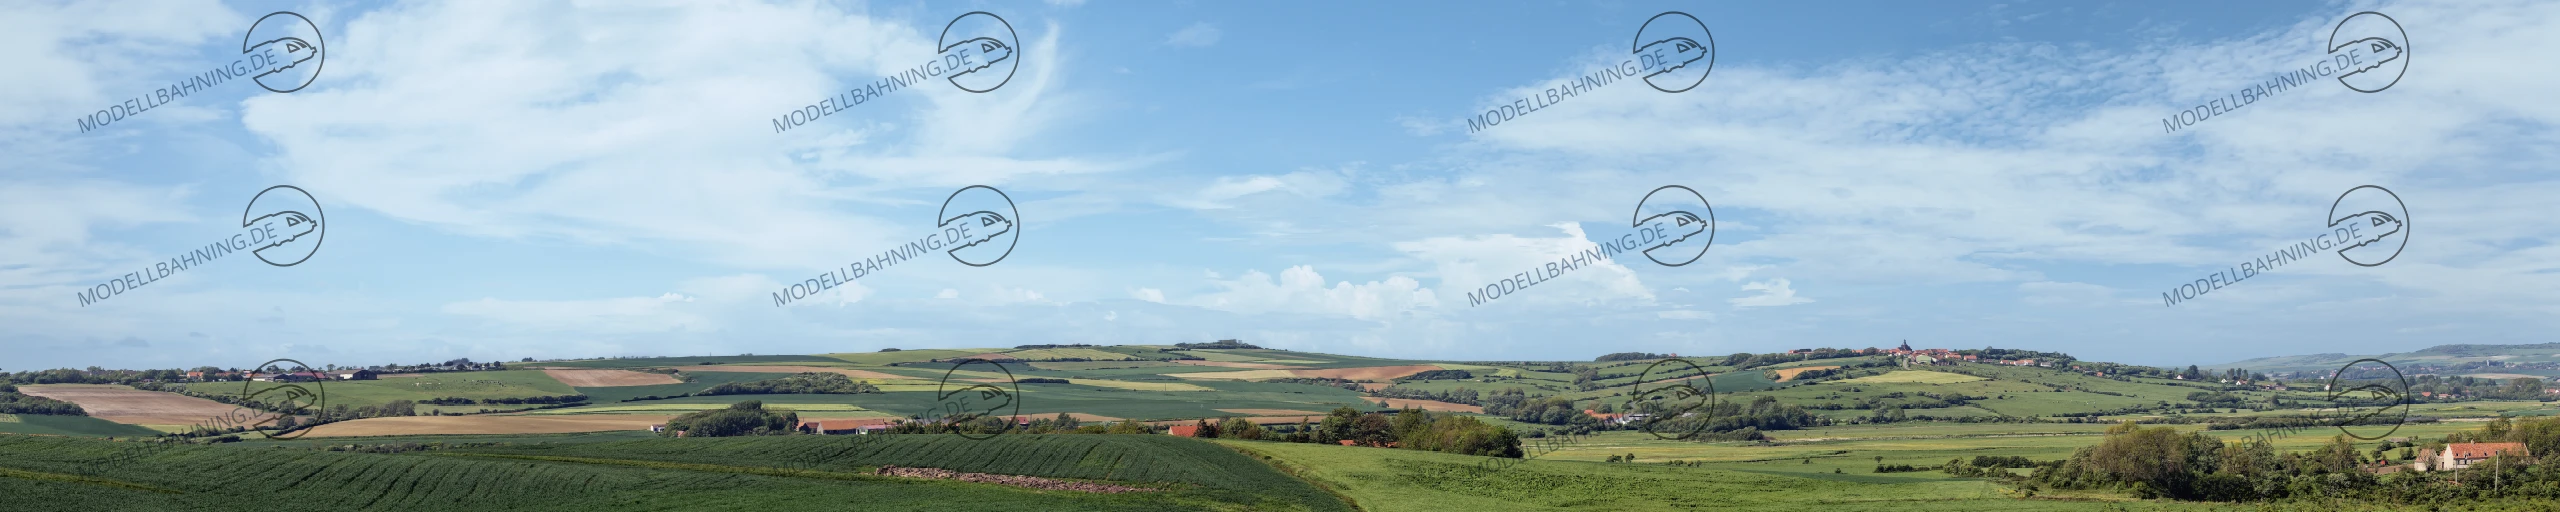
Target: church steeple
1906	345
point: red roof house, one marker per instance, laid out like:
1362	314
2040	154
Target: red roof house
1188	431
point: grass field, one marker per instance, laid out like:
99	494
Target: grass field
655	362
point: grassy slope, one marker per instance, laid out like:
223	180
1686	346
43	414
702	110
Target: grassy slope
1388	480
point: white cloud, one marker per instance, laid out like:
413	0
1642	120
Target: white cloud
1300	290
1773	293
1149	295
1197	35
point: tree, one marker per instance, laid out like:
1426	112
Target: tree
1240	428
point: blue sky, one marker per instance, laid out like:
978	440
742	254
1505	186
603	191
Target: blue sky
524	179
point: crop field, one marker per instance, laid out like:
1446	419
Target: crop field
1913	377
1071	353
664	408
473	385
1209	471
609	378
241	478
662	362
903	356
786	369
1241	364
45	424
1100	365
123	404
487	424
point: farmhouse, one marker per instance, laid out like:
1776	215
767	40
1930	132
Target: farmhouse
1183	430
845	426
355	374
2463	455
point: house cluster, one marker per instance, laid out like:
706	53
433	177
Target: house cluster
1616	419
847	426
1926	355
2462	455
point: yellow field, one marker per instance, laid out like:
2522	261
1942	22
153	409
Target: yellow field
1914	376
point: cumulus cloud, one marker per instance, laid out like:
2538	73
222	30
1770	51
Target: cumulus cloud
1301	290
1773	293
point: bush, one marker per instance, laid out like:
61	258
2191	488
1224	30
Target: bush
748	418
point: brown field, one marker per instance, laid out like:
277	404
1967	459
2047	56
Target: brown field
741	368
609	378
130	406
1790	373
1370	373
1271	412
1250	366
438	425
1429	405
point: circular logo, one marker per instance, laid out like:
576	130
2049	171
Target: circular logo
975	224
2366	220
970	399
283	394
981	51
2371	398
1673	227
1674	409
1675	50
281	233
290	47
2370	50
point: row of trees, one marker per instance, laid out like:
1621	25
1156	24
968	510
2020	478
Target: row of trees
797	384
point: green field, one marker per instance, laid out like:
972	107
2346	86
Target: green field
474	385
66	472
46	424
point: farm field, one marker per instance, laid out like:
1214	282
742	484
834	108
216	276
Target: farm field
788	369
609	378
64	470
123	404
1913	377
53	425
487	424
473	385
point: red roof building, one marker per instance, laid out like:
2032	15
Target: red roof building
1192	431
2463	455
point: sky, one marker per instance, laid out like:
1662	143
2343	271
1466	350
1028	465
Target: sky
502	180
